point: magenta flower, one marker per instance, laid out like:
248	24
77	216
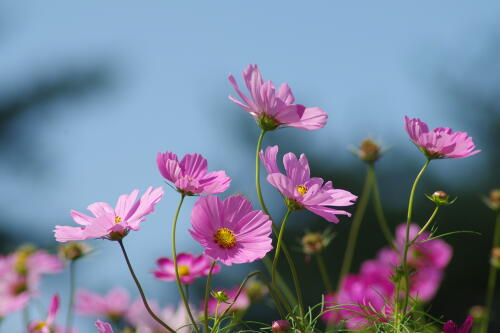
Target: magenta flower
230	230
109	223
113	305
272	109
190	175
451	327
302	191
281	326
441	142
189	266
46	326
103	327
241	303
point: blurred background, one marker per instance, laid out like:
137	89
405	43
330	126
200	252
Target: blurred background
91	91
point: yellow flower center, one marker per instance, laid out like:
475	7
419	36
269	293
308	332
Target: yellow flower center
302	189
225	238
39	326
118	219
183	270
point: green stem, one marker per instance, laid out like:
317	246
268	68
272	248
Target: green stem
207	295
278	246
257	173
426	225
379	210
284	295
176	268
139	287
72	285
324	272
490	293
407	236
356	224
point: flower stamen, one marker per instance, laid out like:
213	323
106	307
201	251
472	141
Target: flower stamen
225	238
302	189
183	270
118	219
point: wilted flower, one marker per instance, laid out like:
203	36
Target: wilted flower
441	142
272	109
46	326
109	223
493	201
241	303
74	250
190	175
189	267
451	327
281	326
113	305
302	191
230	230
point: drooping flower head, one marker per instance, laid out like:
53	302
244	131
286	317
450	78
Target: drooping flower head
177	318
103	327
190	175
272	109
109	223
451	327
230	230
113	305
302	191
189	266
441	142
46	326
237	302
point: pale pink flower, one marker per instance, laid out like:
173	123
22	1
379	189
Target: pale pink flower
177	318
103	327
111	223
240	303
113	305
230	230
46	326
441	142
189	266
303	191
272	109
190	175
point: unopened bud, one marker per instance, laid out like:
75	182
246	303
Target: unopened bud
369	151
312	243
477	312
281	326
220	296
494	200
495	257
441	198
256	290
74	250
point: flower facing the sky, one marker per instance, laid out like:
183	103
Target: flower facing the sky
190	175
46	326
230	230
441	142
113	305
189	266
302	191
109	223
273	108
240	303
451	327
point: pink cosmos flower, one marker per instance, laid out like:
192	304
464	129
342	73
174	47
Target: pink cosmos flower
103	327
241	303
177	318
109	223
190	267
302	191
451	327
113	305
272	109
441	142
190	175
46	326
230	230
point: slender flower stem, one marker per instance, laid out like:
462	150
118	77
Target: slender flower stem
426	225
407	236
207	295
490	293
278	246
139	287
379	210
72	285
324	272
257	173
177	276
356	224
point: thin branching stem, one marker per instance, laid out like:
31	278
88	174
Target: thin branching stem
490	293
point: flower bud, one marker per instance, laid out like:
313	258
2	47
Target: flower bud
256	290
281	326
74	250
494	200
440	198
495	257
220	296
315	242
477	312
369	151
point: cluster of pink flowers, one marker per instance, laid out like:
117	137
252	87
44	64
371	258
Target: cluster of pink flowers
367	296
